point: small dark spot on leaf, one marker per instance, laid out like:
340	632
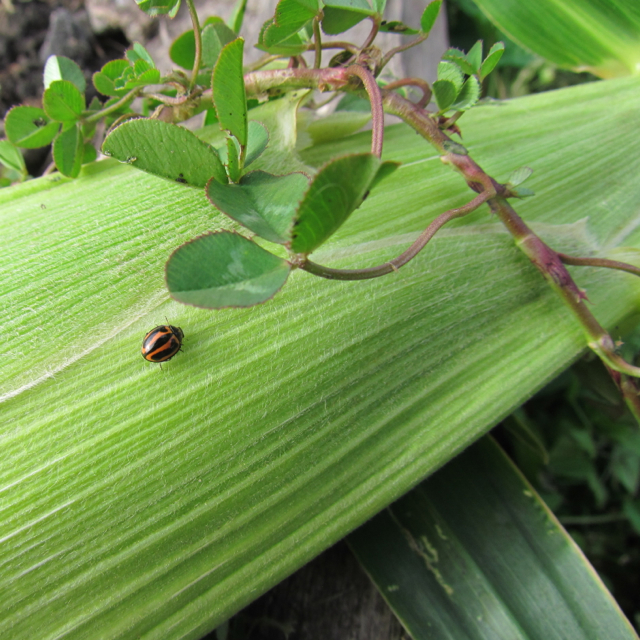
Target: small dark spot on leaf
181	180
39	122
43	206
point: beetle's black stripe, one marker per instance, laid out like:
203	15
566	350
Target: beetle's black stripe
162	343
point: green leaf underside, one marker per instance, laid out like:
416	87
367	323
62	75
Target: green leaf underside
224	269
165	150
62	101
229	94
159	7
262	202
62	68
519	176
214	38
233	159
492	59
290	17
105	79
338	125
291	46
468	96
137	53
459	58
341	15
473	547
452	73
335	192
237	15
258	139
257	142
397	27
429	16
68	150
445	93
30	127
11	157
474	56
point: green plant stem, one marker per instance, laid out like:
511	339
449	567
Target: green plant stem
198	38
403	258
375	98
317	42
98	115
599	262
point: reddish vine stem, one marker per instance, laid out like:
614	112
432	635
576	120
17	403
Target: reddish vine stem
599	262
403	258
392	52
423	85
548	262
375	98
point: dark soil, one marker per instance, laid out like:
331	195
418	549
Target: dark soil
37	29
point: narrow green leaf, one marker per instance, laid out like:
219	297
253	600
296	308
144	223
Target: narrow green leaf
263	203
30	127
63	102
474	56
138	53
601	37
492	59
445	93
165	150
468	96
341	15
155	8
429	16
68	150
229	95
11	157
474	548
257	142
233	159
519	176
61	68
459	58
237	16
396	26
335	192
224	269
